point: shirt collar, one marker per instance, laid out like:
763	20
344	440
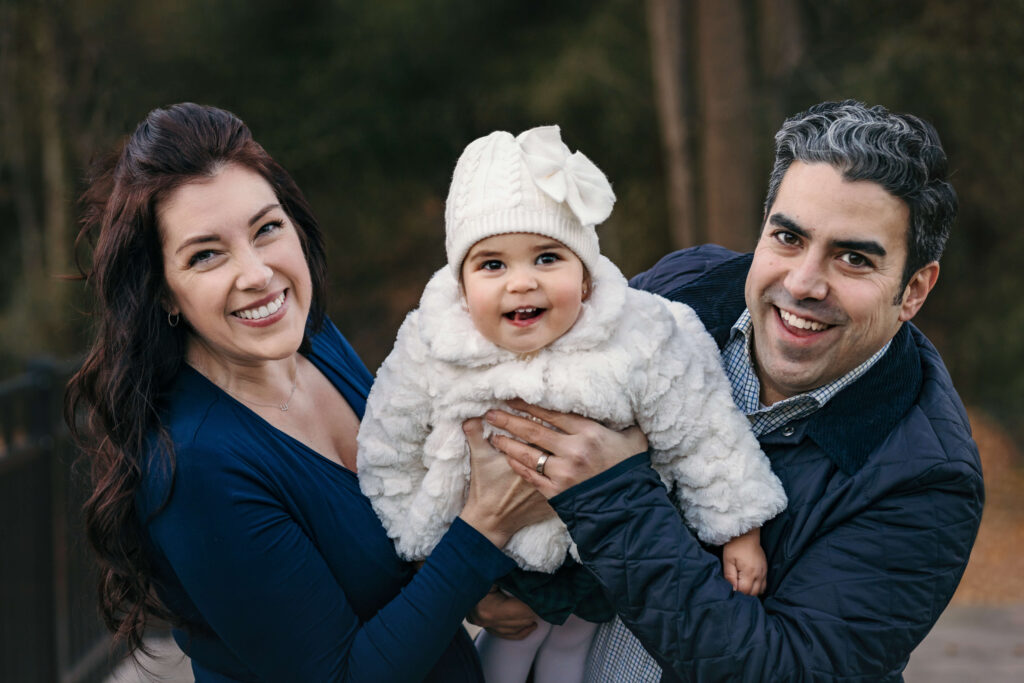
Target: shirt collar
746	387
855	421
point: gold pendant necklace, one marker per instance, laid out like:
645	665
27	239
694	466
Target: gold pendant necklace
283	407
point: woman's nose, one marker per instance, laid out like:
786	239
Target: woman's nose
254	273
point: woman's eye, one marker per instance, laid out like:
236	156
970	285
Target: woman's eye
545	259
492	264
201	257
270	227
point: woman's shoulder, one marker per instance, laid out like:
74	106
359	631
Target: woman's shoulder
333	353
205	428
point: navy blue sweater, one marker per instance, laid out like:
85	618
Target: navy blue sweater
885	498
277	564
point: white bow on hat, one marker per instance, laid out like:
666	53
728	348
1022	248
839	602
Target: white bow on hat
565	176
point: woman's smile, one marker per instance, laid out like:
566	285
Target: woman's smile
265	311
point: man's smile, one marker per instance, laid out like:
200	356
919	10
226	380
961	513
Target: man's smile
803	324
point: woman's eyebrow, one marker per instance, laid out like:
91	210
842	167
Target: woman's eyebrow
198	239
262	212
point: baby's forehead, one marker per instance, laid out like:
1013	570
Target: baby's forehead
516	240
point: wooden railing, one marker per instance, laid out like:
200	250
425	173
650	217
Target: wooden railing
50	629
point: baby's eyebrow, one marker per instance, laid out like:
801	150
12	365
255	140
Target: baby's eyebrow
485	254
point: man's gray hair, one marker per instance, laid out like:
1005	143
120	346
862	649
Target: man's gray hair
900	152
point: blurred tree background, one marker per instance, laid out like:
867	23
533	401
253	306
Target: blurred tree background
368	104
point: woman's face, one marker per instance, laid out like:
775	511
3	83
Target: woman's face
234	269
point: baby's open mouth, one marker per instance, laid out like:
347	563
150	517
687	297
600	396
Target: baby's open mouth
524	313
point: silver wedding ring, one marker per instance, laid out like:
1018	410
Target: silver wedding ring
541	461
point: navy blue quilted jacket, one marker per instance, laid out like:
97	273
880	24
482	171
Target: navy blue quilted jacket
885	497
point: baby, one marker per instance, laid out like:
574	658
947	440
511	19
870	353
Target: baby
528	308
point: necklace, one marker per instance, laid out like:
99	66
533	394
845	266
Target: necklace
283	407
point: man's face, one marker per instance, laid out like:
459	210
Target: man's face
824	286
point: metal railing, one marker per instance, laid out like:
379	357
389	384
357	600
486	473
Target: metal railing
50	628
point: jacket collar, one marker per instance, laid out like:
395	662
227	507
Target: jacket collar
857	419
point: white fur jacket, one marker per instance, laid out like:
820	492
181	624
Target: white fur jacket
631	358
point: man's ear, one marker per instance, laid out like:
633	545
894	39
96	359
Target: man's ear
917	290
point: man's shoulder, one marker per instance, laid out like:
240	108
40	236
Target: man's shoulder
684	267
939	402
708	278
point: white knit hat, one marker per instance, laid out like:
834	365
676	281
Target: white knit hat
531	183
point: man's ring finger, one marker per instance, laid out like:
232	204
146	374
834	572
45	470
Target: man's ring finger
541	461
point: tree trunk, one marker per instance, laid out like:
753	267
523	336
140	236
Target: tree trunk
726	103
13	150
668	62
781	39
55	176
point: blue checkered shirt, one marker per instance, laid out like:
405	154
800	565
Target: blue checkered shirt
616	655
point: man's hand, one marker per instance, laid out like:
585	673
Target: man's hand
744	563
576	450
503	616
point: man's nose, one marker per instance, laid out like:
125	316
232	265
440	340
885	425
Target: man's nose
807	279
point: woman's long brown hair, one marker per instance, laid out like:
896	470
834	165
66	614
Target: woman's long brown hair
113	402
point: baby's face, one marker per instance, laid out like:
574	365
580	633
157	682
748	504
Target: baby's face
523	290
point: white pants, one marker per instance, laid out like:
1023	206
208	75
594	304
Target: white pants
556	653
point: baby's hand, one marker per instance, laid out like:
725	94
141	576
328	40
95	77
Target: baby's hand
745	565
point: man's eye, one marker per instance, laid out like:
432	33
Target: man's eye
787	238
856	260
492	264
545	259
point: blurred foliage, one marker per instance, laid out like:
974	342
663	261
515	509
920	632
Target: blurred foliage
368	104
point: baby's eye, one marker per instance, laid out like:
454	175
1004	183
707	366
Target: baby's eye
547	258
492	264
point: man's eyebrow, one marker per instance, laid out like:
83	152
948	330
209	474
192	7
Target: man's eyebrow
784	221
867	246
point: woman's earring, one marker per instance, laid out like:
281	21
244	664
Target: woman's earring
173	319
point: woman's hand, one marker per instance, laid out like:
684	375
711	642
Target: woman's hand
576	451
500	503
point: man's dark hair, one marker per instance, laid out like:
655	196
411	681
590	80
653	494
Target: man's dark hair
900	152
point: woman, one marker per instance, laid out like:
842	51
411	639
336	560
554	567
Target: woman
219	409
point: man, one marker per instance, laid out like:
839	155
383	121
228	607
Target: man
850	402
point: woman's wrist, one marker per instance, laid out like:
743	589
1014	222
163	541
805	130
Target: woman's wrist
486	525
